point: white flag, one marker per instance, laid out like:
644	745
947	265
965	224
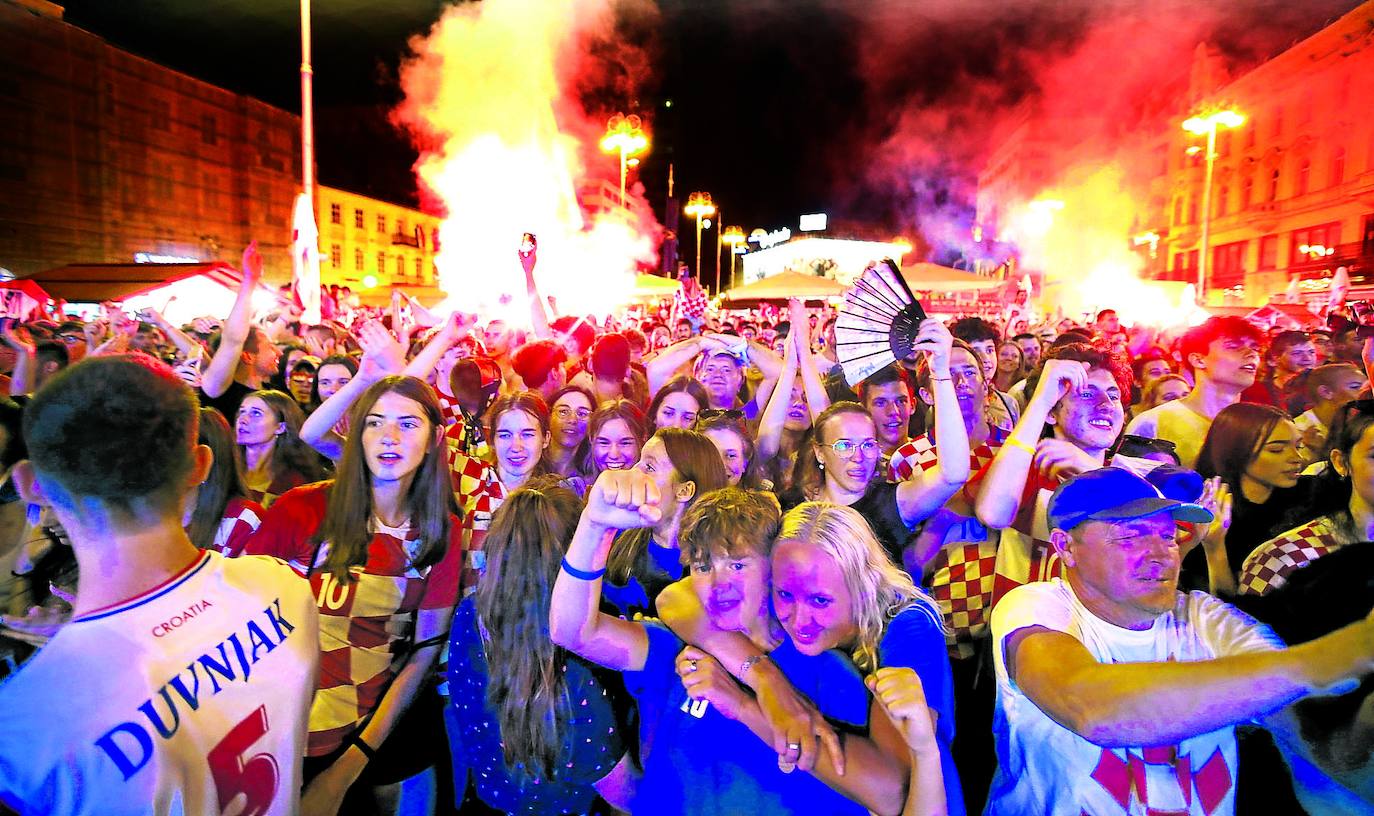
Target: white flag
305	260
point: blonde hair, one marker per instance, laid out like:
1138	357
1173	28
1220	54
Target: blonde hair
879	590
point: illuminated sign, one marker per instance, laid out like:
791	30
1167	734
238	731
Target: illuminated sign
770	239
812	223
153	258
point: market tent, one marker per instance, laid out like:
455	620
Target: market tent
929	277
180	291
785	285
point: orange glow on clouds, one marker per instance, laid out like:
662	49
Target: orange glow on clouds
489	101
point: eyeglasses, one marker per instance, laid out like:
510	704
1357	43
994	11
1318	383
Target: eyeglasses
728	413
845	448
565	413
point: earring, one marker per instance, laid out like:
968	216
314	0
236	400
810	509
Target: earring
820	465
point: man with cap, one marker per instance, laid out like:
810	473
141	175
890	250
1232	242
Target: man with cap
1118	694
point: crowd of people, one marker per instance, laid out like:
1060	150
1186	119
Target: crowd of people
671	561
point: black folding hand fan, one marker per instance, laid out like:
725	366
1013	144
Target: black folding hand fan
877	323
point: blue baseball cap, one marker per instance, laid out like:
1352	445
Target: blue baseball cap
1114	494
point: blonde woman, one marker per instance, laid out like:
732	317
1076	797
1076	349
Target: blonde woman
834	587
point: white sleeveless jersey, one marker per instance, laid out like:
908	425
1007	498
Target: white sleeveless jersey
191	698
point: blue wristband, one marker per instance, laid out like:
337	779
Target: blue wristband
577	573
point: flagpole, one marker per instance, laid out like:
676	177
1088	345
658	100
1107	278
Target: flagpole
307	106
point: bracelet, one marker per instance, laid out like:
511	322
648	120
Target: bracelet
581	574
749	664
1019	445
356	740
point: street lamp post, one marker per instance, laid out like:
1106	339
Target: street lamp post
624	135
1199	126
699	205
733	236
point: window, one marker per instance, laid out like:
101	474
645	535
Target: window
160	116
358	259
381	263
1269	252
1304	175
1277	129
358	219
335	256
1228	265
400	226
1192	211
335	214
1250	134
419	266
1178	210
1224	143
400	266
381	222
207	129
1223	196
209	191
1324	235
1337	166
1247	191
1274	185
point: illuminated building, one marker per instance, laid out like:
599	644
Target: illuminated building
1293	184
104	155
361	236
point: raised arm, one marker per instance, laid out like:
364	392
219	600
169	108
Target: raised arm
618	500
455	327
902	699
382	356
919	497
179	338
539	318
220	373
662	366
774	414
999	495
1124	704
24	378
817	398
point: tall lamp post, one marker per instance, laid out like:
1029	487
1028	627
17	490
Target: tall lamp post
1207	126
624	135
733	236
699	206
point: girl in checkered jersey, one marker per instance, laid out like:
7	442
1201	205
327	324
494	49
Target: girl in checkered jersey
1346	493
380	546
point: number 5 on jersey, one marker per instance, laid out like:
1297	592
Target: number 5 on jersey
254	778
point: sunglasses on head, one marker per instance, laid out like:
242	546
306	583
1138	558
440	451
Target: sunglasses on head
728	413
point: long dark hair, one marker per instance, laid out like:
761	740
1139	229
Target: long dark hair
615	409
1334	491
290	454
1235	439
347	523
526	687
696	460
334	359
752	477
680	383
225	481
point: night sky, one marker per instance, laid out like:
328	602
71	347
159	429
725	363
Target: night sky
876	111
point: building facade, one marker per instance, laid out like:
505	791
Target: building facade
365	241
1293	186
106	156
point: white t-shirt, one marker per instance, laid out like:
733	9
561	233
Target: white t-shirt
1177	423
181	700
1044	768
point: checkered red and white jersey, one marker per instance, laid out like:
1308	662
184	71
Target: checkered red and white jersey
479	492
1268	567
242	517
961	573
366	626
